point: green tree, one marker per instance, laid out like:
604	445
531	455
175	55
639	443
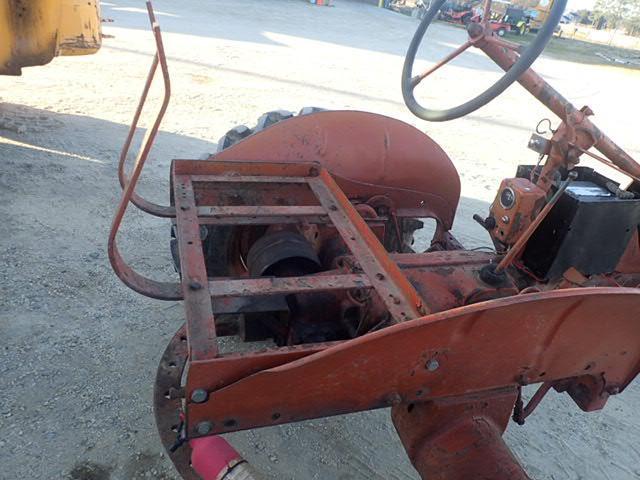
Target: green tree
631	22
585	16
618	13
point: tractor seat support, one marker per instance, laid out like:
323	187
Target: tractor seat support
378	270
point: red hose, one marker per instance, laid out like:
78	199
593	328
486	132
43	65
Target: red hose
213	457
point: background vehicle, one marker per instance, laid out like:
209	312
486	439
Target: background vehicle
458	13
34	32
539	14
514	20
517	19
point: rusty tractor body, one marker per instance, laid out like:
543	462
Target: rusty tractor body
302	233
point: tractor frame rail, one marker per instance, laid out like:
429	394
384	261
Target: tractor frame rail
378	270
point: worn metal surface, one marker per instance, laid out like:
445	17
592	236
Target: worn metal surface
459	438
506	342
517	247
273	286
521	412
484	346
511	221
444	279
261	215
367	154
167	404
33	32
401	299
201	330
574	137
398	295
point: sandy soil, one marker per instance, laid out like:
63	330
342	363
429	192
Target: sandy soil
79	349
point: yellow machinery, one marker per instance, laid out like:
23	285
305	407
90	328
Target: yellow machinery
33	32
538	10
541	9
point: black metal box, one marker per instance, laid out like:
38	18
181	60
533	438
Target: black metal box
589	229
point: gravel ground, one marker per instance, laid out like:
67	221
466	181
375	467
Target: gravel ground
80	349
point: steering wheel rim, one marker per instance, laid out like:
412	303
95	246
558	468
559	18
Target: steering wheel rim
527	57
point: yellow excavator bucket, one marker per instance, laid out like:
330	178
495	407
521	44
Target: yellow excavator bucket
33	32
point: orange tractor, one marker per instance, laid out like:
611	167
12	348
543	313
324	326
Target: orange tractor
301	232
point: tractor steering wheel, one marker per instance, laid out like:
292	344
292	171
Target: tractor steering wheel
479	34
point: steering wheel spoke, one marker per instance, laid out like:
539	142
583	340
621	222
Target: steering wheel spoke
478	34
415	81
486	13
501	42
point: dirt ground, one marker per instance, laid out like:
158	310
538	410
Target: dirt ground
79	350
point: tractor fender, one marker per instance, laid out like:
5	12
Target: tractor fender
368	154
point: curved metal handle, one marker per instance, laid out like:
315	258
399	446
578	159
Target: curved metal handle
166	211
133	279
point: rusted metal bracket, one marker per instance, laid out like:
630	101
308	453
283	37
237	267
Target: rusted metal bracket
483	346
393	287
521	412
379	271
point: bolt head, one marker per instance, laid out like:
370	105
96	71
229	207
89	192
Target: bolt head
433	365
204	428
199	395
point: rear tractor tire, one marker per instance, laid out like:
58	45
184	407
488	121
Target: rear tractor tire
267	119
